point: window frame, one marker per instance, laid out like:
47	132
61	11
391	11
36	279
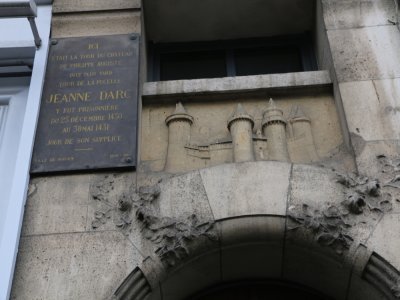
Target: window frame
303	42
15	202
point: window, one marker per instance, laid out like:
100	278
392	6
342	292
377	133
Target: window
283	54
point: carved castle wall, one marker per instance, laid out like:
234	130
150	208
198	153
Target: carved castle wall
310	131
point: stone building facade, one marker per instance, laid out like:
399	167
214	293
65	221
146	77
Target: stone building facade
233	190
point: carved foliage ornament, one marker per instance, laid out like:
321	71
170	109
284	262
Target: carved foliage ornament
365	199
172	236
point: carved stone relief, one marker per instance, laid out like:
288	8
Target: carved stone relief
365	200
250	132
171	236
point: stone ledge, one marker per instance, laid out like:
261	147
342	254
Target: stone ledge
73	6
237	85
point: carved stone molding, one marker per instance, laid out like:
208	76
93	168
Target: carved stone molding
134	287
383	276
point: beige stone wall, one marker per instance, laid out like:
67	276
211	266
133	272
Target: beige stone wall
79	242
90	18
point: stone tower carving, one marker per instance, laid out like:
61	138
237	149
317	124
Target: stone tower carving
179	123
240	125
299	126
274	128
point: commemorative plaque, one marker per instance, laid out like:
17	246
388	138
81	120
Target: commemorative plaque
88	114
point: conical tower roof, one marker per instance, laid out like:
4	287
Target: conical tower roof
240	114
180	114
272	114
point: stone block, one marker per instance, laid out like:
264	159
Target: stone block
376	101
73	266
184	196
365	53
68	6
247	188
385	239
237	84
87	24
314	186
251	247
59	204
339	14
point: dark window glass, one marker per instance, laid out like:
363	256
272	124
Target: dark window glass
282	54
191	65
267	61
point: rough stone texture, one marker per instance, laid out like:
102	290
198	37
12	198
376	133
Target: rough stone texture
346	218
339	14
172	235
87	24
385	239
239	84
58	204
367	152
105	211
211	141
376	100
315	185
66	6
73	266
365	53
247	188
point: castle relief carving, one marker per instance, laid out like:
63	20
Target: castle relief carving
203	132
271	141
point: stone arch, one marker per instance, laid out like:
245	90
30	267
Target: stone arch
265	220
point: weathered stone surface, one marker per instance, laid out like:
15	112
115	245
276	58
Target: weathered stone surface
59	204
365	53
175	216
367	153
247	188
237	84
211	142
105	205
385	239
378	102
73	266
259	239
340	217
67	6
87	24
339	14
183	196
314	186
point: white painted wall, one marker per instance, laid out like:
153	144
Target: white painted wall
23	99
